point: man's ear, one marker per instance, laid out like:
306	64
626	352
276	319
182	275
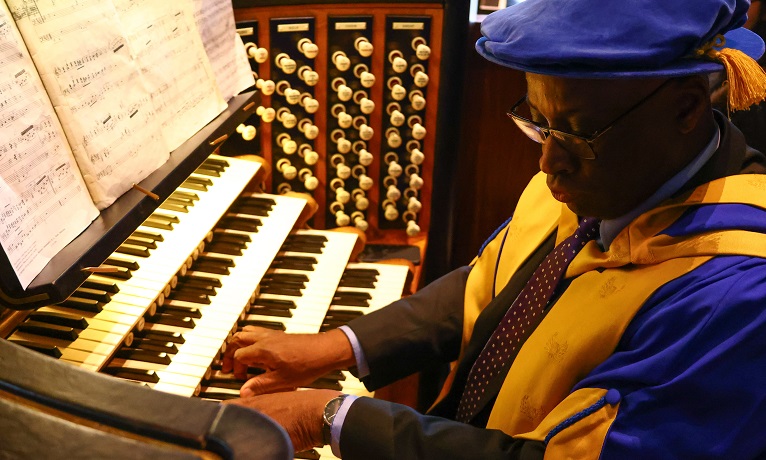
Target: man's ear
692	102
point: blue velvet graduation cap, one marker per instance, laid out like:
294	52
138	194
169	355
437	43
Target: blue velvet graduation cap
629	39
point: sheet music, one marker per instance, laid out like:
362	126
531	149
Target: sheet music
44	203
104	105
166	43
224	47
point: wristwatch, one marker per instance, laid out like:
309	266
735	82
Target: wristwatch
330	411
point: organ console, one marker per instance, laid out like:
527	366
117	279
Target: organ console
144	301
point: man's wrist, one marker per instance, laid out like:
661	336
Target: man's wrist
328	416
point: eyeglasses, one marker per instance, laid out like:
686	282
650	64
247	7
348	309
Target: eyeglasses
579	145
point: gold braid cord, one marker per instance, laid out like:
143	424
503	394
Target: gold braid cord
747	79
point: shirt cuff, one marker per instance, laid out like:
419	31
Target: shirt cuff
362	368
337	424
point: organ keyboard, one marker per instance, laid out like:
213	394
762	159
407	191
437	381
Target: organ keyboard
211	259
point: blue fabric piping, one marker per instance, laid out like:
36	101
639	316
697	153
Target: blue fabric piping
493	235
574	419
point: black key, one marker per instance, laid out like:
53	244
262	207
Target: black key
105	285
155	345
267	324
274	303
166	217
171	320
148	356
193	186
116	262
61	319
148	235
148	243
220	162
244	224
198	280
344	316
281	291
356	283
250	210
163	336
228	237
200	180
282	313
180	311
48	330
308	455
95	294
194	297
294	263
223	261
325	384
48	350
217	395
168	206
186	195
224	248
205	171
287	277
161	224
78	303
141	375
229	384
306	238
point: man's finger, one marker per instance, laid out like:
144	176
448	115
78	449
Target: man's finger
268	382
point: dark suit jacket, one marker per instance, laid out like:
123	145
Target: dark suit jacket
427	327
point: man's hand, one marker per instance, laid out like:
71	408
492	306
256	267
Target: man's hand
299	413
290	360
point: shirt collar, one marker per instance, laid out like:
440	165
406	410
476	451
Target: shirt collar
611	228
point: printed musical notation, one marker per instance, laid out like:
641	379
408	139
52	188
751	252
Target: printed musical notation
44	203
224	47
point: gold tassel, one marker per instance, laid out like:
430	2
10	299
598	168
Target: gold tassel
747	79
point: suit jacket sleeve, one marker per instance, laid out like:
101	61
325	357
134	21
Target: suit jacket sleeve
415	331
381	430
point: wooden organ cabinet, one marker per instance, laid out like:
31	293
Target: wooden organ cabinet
353	111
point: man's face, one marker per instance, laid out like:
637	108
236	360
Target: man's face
633	158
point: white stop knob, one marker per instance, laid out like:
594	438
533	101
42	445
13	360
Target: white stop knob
345	93
418	101
342	195
285	63
310	104
311	132
247	131
361	224
417	157
393	193
311	183
416	182
267	114
418	131
420	79
289	120
342	219
292	96
366	106
397	118
344	145
391	213
341	61
365	182
289	146
366	132
423	52
363	46
289	172
398	64
310	50
367	79
310	77
365	157
267	87
344	172
412	228
394	140
362	203
398	92
394	169
414	205
344	120
310	157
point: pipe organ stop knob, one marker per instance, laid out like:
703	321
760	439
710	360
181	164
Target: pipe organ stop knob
259	55
413	229
360	200
286	168
341	218
398	92
365	157
344	119
341	168
365	77
367	106
288	145
309	155
358	219
287	119
417	157
422	51
309	49
247	131
308	178
413	205
284	62
416	181
365	131
363	46
308	102
341	61
417	100
393	193
309	129
389	210
308	75
419	76
267	114
398	63
393	138
394	169
418	131
396	117
266	86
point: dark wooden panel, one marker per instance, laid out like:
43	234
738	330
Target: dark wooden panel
495	160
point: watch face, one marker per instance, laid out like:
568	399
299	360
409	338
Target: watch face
331	409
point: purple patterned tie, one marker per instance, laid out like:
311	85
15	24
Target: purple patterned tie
521	317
